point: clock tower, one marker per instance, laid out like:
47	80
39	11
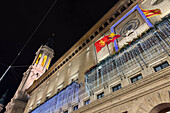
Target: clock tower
40	64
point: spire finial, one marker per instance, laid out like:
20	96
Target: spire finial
50	42
3	97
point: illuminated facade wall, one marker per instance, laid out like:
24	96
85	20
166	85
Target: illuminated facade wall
67	95
134	80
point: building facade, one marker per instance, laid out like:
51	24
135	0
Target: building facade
39	66
130	75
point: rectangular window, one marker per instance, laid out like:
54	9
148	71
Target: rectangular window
87	102
74	78
30	109
38	102
125	112
115	88
100	95
136	78
48	96
75	108
161	66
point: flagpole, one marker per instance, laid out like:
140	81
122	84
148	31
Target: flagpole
95	53
108	49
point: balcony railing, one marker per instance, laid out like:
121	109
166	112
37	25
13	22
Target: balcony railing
137	55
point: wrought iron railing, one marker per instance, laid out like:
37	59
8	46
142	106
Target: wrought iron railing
151	44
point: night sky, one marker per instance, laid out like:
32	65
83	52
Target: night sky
69	20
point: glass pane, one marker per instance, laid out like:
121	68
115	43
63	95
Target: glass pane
139	77
76	107
102	94
115	88
165	65
157	68
134	80
119	86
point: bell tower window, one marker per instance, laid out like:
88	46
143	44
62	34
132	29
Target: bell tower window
48	63
39	56
44	60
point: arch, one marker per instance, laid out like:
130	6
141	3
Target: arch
155	102
161	108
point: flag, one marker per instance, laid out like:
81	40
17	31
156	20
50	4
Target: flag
151	13
112	37
101	43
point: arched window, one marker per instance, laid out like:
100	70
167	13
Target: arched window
44	60
48	63
39	56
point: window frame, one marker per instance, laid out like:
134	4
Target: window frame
116	86
161	66
102	95
87	100
75	107
136	77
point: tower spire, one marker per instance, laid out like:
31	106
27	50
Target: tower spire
50	42
40	64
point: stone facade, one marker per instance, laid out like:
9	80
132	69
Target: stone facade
137	80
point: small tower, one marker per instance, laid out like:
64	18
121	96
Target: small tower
2	101
40	64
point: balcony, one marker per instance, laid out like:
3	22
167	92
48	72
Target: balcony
137	55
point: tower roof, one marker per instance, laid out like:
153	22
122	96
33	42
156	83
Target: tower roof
50	42
2	99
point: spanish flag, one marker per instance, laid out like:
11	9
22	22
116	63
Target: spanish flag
101	43
151	13
112	37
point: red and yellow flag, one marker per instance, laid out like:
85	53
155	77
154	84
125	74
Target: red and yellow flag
112	37
101	43
151	13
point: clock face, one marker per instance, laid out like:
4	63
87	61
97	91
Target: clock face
129	27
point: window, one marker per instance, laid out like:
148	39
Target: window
59	88
125	112
115	88
38	102
30	109
48	96
75	108
105	24
91	37
136	78
161	66
101	28
44	60
111	19
87	102
66	111
100	95
96	33
74	78
48	63
39	56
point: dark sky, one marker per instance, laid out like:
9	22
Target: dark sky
68	20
